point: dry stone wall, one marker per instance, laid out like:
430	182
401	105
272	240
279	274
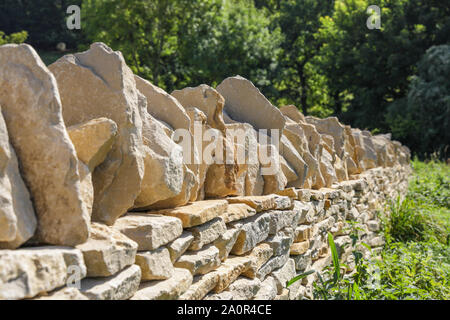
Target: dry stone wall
113	189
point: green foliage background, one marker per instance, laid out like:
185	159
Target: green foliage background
317	55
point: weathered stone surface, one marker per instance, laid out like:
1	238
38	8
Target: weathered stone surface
271	169
253	231
197	213
200	287
206	233
245	139
303	233
120	286
107	251
66	293
237	211
280	219
299	248
258	257
178	246
155	265
245	103
24	273
244	289
262	203
31	108
272	264
284	274
149	231
229	271
170	289
200	262
292	113
289	192
205	98
280	243
162	105
268	290
93	140
226	242
288	171
302	261
17	217
100	77
283	296
165	173
226	296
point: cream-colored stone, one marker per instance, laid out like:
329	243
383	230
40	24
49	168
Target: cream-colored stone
120	286
24	273
31	108
229	271
237	211
178	246
207	233
253	231
200	287
303	233
67	293
107	251
93	140
197	213
155	265
284	274
200	262
226	242
244	289
170	289
17	217
268	290
149	231
98	83
258	257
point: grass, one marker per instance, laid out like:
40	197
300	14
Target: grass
415	262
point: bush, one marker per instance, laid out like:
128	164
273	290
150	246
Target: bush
18	37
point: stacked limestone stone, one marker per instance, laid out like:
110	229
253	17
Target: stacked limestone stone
96	185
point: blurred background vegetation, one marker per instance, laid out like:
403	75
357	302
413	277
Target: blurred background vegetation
317	55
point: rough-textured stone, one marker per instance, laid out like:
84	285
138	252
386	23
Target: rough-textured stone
149	231
31	108
303	233
244	289
197	213
258	257
229	271
245	103
120	286
272	264
100	77
237	211
292	113
170	289
268	290
226	242
280	219
93	140
24	273
253	231
206	233
178	246
17	217
299	248
284	274
107	251
200	287
280	243
200	262
302	261
259	203
155	265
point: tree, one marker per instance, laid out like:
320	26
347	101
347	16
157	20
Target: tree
422	119
18	37
298	80
367	70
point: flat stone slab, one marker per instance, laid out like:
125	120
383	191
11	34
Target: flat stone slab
268	290
149	231
253	231
67	293
299	248
207	233
155	264
197	213
303	233
121	286
263	203
200	262
107	251
170	289
258	256
24	273
272	264
200	287
237	211
229	271
244	289
179	246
